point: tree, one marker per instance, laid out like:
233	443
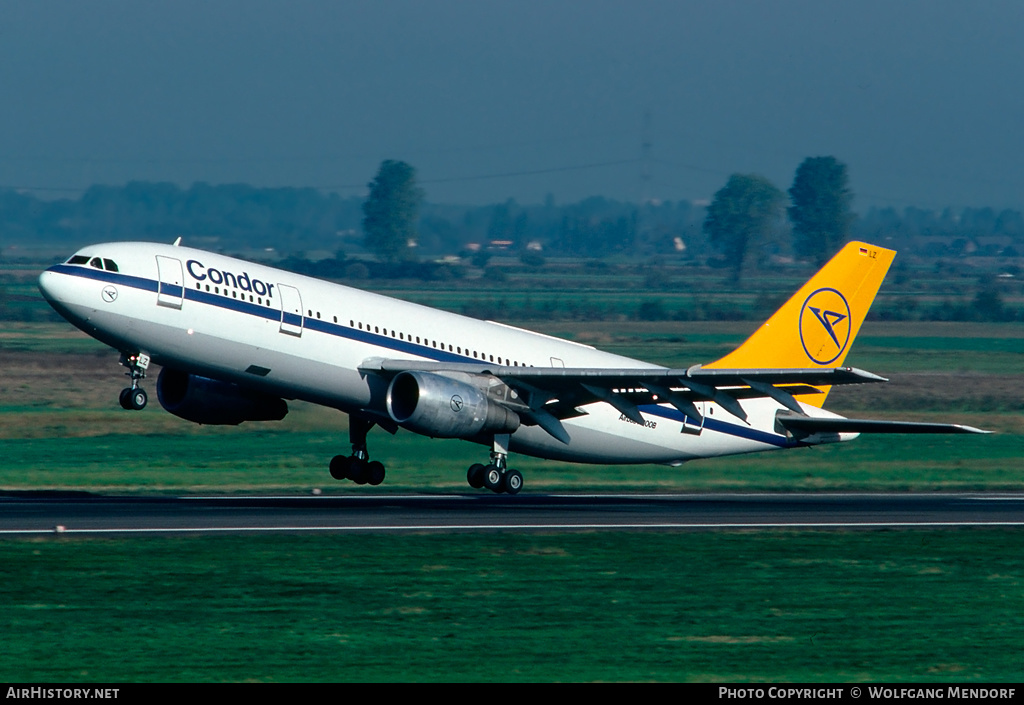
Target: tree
391	211
742	216
820	212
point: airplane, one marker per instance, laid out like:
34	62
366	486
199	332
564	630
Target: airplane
236	339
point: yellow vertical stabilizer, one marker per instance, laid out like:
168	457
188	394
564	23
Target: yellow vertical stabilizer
818	324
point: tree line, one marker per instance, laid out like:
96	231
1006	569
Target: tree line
241	218
748	221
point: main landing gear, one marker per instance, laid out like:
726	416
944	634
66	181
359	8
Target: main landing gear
497	476
358	467
134	398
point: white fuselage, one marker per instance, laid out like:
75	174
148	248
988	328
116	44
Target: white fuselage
302	338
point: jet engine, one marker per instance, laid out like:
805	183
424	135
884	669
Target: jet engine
211	402
441	407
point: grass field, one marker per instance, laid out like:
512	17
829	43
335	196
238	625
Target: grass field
282	461
750	606
783	606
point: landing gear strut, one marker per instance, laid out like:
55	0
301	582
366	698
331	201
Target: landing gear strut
134	398
497	476
358	467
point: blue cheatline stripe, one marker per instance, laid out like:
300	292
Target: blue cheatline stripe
104	276
725	427
378	340
267	313
250	309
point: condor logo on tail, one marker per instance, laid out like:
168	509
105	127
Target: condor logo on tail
825	325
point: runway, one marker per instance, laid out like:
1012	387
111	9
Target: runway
36	513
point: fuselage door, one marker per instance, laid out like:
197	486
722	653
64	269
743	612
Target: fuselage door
291	309
170	292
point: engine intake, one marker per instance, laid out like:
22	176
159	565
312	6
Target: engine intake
441	407
215	403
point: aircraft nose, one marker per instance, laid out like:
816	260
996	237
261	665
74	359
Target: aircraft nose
50	285
58	290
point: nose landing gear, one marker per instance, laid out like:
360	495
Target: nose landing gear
134	398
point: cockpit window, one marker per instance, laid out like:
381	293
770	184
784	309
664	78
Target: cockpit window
97	262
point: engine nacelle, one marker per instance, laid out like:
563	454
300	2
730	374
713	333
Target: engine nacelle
440	407
211	402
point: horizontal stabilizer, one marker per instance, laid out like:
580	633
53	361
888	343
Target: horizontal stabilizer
805	426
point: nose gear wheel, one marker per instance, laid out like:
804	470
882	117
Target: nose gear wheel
134	398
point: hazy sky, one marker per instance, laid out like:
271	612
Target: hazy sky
923	99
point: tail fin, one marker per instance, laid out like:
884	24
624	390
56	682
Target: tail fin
816	327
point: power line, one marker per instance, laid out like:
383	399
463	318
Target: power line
504	174
265	158
360	185
53	189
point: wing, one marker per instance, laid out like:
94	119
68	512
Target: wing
544	396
